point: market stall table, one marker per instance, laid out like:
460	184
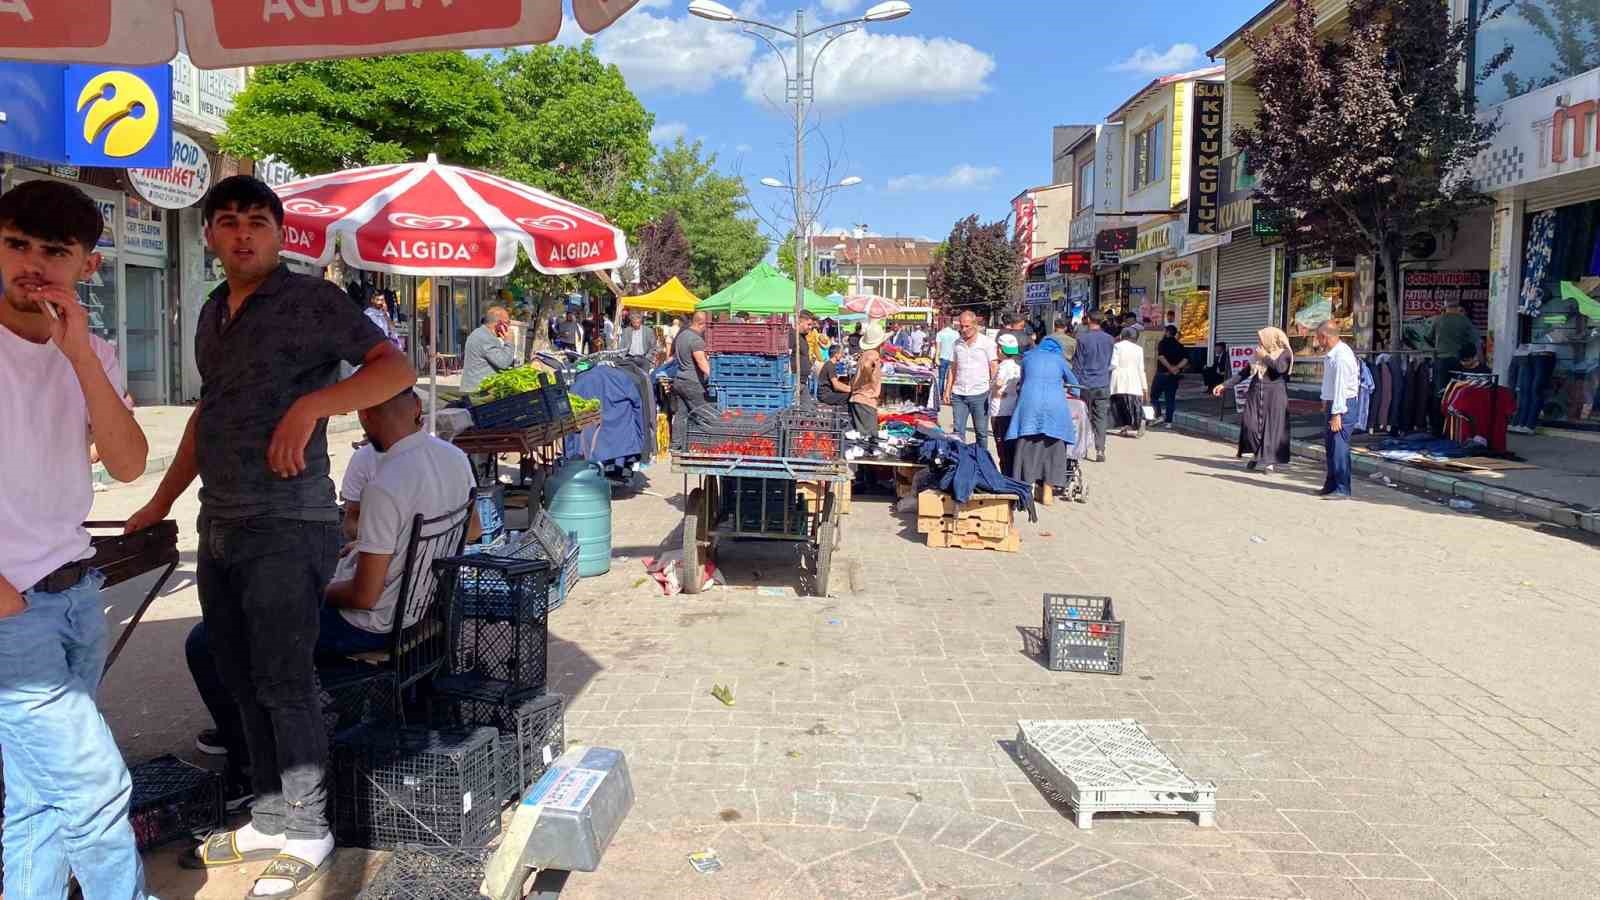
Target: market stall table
904	471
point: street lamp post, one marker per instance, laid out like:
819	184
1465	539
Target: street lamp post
801	85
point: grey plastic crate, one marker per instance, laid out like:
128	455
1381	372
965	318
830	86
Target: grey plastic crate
1081	634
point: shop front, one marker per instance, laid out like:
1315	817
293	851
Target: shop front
1321	290
1155	242
1543	169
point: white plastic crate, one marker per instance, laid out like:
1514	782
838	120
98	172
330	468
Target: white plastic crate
1111	765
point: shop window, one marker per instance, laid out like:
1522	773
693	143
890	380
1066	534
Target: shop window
1315	299
1562	311
1085	185
1148	146
1550	41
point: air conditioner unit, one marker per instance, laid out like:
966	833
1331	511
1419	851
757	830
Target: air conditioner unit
1429	246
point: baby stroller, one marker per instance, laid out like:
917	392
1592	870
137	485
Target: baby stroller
1077	488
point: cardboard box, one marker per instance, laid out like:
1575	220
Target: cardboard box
988	507
1011	543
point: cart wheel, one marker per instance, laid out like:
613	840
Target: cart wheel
693	537
826	540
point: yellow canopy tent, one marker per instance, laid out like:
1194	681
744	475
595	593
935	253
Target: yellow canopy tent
671	297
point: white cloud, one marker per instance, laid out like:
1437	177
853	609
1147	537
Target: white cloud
1150	61
667	132
683	55
840	6
960	178
866	69
743	148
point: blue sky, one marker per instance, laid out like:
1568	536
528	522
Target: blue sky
944	113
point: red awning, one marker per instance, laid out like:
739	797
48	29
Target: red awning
226	33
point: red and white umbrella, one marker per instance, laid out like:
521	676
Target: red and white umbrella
432	219
226	33
874	307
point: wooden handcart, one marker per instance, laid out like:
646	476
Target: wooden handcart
756	498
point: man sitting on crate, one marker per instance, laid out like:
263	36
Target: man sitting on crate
416	474
67	789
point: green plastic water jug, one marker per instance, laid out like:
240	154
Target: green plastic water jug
580	501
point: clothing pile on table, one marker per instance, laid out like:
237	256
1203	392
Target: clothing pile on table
962	470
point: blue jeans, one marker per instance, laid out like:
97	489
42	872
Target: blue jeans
1530	376
67	788
937	400
975	407
1337	446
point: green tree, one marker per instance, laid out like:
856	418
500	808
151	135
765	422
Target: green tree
662	251
821	284
827	285
574	129
344	113
724	243
978	267
1361	140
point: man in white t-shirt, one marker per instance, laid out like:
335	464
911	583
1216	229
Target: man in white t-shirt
973	365
418	474
67	788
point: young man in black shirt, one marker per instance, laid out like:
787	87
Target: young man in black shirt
268	346
1172	360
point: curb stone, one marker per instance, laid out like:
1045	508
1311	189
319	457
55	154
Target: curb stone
1497	497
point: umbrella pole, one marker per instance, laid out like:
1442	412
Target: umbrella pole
433	369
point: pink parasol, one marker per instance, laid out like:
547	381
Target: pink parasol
872	306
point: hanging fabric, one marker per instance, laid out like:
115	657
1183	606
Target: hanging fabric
1536	262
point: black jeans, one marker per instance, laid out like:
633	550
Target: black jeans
687	396
261	583
1098	399
1165	394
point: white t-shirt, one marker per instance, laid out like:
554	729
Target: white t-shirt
45	487
970	365
418	475
1008	379
363	465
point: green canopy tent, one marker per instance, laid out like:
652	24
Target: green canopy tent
764	291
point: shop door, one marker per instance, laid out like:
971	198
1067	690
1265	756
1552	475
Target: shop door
1244	291
146	335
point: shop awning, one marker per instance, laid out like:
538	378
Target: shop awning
671	297
764	291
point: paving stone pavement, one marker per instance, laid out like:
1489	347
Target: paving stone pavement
1395	700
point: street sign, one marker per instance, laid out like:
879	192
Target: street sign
1266	222
30	111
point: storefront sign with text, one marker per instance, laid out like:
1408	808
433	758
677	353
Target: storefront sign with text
1205	158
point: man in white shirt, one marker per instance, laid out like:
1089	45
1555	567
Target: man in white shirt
973	365
418	474
945	340
67	788
919	340
1341	381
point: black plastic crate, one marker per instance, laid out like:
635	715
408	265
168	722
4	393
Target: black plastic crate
762	505
492	586
1082	635
514	652
814	432
732	432
430	873
752	370
532	724
171	800
355	694
394	786
524	410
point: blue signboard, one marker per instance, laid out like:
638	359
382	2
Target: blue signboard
118	117
87	115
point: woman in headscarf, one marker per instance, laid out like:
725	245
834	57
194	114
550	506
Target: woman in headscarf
1041	425
1129	389
1264	431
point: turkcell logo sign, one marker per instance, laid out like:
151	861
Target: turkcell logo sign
118	117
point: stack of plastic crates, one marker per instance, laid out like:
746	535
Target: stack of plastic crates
354	694
763	506
751	365
540	406
414	786
499	615
429	873
733	432
561	549
531	724
171	800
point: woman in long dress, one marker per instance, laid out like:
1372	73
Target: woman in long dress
1264	431
1041	425
1129	390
